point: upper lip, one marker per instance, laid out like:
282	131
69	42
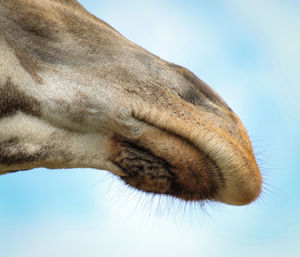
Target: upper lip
179	169
235	174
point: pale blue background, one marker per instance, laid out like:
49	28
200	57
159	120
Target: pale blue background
249	52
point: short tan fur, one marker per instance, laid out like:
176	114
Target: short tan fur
75	93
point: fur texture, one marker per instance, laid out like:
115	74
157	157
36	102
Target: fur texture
75	93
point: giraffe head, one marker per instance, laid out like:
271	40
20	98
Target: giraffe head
85	96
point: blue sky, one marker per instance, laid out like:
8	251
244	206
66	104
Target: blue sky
249	52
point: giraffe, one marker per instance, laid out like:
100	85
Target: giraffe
75	93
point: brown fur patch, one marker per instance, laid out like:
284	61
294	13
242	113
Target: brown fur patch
11	152
144	170
72	2
77	110
28	62
27	30
15	152
91	32
13	99
169	168
37	32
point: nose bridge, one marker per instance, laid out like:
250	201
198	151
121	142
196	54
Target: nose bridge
197	91
208	105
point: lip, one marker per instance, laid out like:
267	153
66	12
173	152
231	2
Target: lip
210	162
161	162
